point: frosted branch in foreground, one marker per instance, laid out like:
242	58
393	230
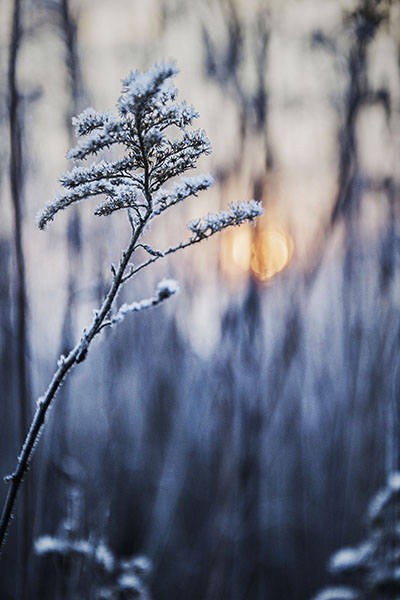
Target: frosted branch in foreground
151	155
146	110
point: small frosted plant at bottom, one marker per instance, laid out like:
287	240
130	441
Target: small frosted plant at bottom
138	183
371	569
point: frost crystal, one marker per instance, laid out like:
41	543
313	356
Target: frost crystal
337	593
141	89
373	566
238	213
146	109
351	559
46	545
383	498
165	289
89	120
189	186
53	546
113	578
139	565
130	582
104	557
122	196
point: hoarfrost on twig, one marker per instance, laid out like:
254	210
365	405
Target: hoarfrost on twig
134	182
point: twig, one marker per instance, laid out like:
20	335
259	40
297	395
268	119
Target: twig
171	250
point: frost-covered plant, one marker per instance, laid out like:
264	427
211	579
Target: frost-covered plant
372	569
136	183
111	578
87	567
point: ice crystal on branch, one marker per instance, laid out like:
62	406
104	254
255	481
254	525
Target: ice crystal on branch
189	186
146	108
165	289
213	222
88	120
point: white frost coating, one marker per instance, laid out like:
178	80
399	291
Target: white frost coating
112	132
121	196
140	565
179	114
394	482
174	157
48	545
88	120
198	182
102	170
188	186
382	498
39	401
140	87
146	107
104	557
66	198
337	593
238	213
112	578
165	289
350	559
130	582
152	251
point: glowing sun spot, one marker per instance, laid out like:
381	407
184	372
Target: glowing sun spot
271	251
262	252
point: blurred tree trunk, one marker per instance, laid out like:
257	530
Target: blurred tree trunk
68	28
21	304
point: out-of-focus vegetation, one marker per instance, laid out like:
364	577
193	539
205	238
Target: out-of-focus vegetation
236	437
371	569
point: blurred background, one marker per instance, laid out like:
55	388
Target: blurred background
235	435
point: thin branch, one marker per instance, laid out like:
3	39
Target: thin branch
170	250
139	89
163	292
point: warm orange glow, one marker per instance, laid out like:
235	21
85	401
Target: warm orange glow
236	251
271	251
263	252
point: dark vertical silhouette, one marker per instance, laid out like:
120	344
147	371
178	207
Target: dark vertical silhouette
222	64
21	303
68	27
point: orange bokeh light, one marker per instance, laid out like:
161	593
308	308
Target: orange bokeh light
272	250
263	252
